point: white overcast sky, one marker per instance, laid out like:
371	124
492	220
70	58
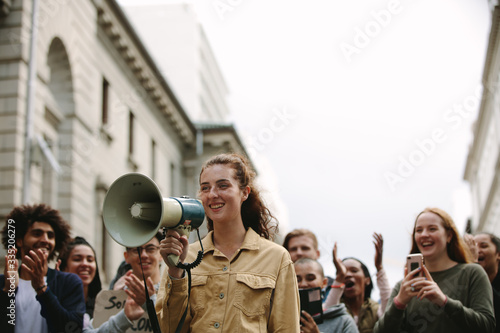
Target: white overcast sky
359	112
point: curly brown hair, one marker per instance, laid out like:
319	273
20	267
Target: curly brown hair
24	216
254	212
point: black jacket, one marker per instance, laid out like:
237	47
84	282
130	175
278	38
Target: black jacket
62	304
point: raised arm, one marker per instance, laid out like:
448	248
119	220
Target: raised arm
382	280
335	294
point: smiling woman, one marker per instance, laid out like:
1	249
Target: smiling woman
245	282
453	295
488	256
79	258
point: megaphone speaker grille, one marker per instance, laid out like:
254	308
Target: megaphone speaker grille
132	210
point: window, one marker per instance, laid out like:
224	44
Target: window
105	101
49	177
153	159
131	133
172	178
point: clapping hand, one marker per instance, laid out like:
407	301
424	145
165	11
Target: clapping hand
35	264
135	288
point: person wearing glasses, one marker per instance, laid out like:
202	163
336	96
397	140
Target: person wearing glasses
151	260
132	283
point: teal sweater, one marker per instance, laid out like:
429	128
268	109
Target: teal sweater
469	307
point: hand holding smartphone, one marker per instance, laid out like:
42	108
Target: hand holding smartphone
310	301
414	261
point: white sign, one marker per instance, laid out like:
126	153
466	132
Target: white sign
109	303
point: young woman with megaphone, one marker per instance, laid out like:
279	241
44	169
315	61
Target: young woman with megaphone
245	282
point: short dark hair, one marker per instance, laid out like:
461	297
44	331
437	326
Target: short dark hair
26	215
158	236
494	239
366	272
303	261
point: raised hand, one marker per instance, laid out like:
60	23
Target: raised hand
379	249
133	311
339	266
36	266
120	283
58	264
471	243
135	288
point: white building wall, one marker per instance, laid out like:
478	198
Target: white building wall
68	114
178	44
483	163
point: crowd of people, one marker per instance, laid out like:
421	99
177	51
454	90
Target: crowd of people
246	282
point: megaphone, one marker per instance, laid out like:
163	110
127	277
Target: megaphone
134	210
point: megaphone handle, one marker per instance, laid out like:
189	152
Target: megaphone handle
182	230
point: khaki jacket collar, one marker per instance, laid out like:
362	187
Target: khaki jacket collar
251	241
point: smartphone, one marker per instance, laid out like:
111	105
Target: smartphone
414	261
311	302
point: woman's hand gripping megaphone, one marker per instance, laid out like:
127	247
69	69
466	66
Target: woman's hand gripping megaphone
174	248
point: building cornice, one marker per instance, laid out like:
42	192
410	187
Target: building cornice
492	45
215	128
227	129
117	27
5	6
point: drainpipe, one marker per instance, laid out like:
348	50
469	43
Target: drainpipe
30	105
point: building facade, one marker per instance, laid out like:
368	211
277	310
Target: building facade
482	169
177	41
85	104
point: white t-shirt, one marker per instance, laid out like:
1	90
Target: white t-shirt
28	317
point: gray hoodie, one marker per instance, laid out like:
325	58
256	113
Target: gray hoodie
337	320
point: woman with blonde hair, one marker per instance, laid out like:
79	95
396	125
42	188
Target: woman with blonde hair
451	296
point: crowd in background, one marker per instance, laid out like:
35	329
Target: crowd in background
246	282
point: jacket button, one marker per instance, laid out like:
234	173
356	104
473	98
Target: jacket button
221	295
216	325
224	269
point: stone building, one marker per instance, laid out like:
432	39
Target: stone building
86	104
175	38
483	162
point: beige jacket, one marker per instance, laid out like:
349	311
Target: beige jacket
254	292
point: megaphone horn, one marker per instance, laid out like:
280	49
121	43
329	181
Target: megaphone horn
134	210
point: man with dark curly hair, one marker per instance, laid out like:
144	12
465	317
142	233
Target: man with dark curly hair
34	297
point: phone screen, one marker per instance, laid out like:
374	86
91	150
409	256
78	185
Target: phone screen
414	266
311	302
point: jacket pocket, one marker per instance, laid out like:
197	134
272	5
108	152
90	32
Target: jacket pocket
253	294
198	292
